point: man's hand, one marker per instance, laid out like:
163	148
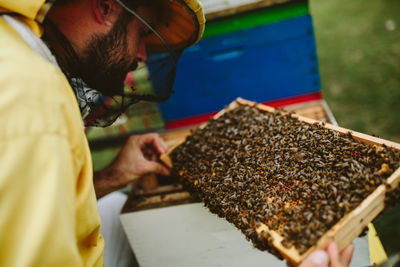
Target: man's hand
139	156
329	257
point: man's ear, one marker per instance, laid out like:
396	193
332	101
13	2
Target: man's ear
102	10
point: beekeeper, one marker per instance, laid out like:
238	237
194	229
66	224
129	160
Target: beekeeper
62	63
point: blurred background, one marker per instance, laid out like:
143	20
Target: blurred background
358	45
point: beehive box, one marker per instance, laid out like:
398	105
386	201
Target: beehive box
216	9
347	227
270	46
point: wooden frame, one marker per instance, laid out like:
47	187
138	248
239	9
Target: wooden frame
352	224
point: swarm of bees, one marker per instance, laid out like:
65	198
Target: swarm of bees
253	167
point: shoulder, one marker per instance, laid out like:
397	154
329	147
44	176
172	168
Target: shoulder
34	94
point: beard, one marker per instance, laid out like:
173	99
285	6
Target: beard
105	62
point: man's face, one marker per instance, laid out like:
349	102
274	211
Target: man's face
108	58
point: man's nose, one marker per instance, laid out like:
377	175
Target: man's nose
141	54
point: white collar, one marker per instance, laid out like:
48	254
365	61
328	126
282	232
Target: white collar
31	39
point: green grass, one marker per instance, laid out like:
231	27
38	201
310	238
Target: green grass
359	58
360	63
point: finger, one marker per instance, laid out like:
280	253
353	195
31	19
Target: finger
318	258
155	141
163	144
346	255
160	145
156	167
333	253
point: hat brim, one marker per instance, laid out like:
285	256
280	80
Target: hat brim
182	26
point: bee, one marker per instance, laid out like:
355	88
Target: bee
255	168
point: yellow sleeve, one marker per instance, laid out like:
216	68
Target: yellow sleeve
48	211
37	214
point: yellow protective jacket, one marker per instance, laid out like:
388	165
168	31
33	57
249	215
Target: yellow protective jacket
48	210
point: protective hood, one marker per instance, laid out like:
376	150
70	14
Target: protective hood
26	8
33	11
183	25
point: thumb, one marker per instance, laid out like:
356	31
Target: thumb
318	258
156	167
